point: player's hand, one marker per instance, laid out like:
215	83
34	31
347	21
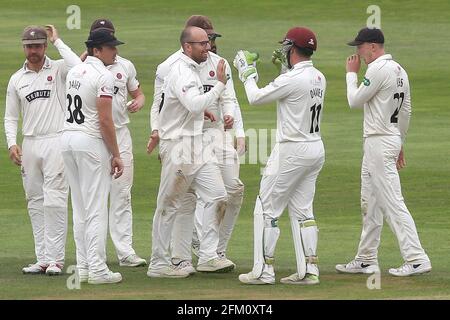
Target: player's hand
153	141
245	63
221	72
116	167
279	60
353	63
15	154
134	106
241	148
401	161
209	115
228	122
52	33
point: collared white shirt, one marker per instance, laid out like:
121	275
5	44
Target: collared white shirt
85	83
385	95
299	94
39	97
181	112
227	104
125	81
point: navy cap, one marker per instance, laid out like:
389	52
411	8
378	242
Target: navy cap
370	35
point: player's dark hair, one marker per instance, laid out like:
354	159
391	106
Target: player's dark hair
90	51
305	52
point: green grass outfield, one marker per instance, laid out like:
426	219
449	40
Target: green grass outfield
416	35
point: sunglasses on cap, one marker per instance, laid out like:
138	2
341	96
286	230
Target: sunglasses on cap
213	36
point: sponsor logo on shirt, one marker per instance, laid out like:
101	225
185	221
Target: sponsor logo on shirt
212	73
119	75
38	94
366	82
207	88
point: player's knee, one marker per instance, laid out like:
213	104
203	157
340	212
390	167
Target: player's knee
364	206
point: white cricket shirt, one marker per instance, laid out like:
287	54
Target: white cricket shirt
385	95
299	94
85	83
227	104
181	113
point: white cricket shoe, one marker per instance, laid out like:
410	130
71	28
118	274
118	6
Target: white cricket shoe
35	268
83	275
54	269
250	278
216	265
356	266
109	277
309	279
222	255
186	266
133	260
409	269
167	272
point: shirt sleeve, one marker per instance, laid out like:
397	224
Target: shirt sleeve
228	99
157	100
133	83
105	86
191	94
238	122
404	114
12	114
70	58
357	97
276	90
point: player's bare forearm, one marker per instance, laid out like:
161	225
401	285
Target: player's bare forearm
153	141
138	100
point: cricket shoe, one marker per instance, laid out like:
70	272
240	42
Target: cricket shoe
185	265
250	278
216	265
54	269
109	277
356	266
167	272
223	256
83	275
309	279
133	260
35	268
410	269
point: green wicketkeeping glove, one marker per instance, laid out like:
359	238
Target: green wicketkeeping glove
245	63
279	60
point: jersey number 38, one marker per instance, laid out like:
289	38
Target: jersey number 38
75	115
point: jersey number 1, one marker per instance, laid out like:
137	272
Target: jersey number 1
77	114
315	113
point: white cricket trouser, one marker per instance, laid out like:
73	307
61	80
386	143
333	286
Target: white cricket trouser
228	163
88	166
289	180
120	211
46	192
381	195
179	173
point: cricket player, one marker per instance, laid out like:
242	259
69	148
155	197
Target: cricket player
91	154
120	210
37	93
222	143
186	163
295	162
385	96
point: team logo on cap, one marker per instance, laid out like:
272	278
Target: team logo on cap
212	73
49	78
119	75
32	33
311	41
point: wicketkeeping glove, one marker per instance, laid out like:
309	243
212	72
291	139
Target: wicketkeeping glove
279	60
245	63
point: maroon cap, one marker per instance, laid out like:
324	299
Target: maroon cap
301	37
34	35
102	24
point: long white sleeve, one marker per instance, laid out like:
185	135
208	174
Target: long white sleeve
238	122
274	91
157	100
12	114
404	115
357	96
70	58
